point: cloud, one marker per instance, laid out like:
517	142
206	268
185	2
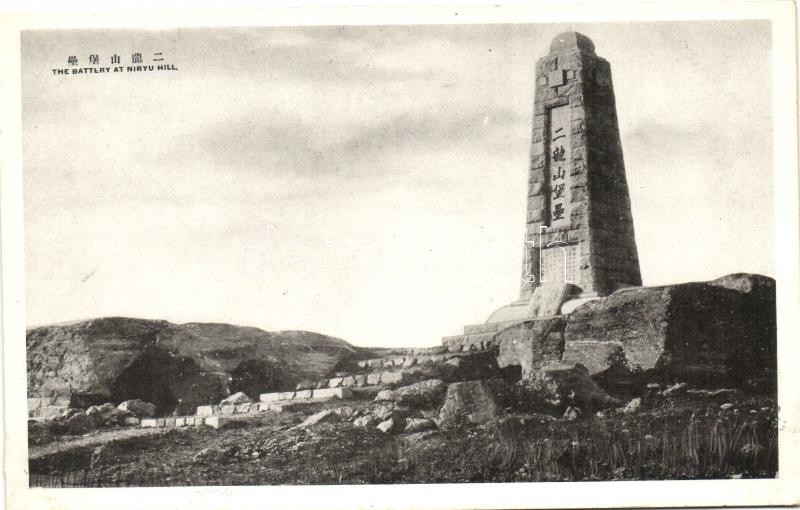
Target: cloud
286	146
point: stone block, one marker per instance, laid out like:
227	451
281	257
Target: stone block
160	422
181	421
373	379
328	393
207	410
392	377
148	423
169	422
530	343
217	422
236	399
131	421
228	409
242	408
360	380
335	382
303	395
375	363
61	400
362	363
269	397
348	381
50	410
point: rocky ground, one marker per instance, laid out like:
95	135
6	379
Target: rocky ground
670	382
683	434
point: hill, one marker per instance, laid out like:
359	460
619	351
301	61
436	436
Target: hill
116	358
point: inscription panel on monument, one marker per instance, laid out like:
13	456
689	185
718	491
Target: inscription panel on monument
559	264
558	158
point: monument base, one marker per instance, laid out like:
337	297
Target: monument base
568	299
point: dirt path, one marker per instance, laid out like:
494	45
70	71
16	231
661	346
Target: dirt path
92	439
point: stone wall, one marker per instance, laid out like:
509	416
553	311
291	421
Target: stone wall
47	406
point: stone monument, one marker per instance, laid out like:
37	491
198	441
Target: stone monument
579	239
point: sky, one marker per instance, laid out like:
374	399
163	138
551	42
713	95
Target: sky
366	182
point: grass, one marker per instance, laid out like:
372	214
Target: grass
686	438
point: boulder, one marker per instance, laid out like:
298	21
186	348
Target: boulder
345	412
414	425
366	421
210	455
138	407
79	423
392	425
472	402
68	413
632	406
106	408
530	343
385	410
570	383
326	416
425	394
385	396
722	330
235	399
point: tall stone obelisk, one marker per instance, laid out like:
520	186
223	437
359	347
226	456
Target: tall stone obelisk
579	224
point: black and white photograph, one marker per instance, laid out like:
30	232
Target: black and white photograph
489	253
